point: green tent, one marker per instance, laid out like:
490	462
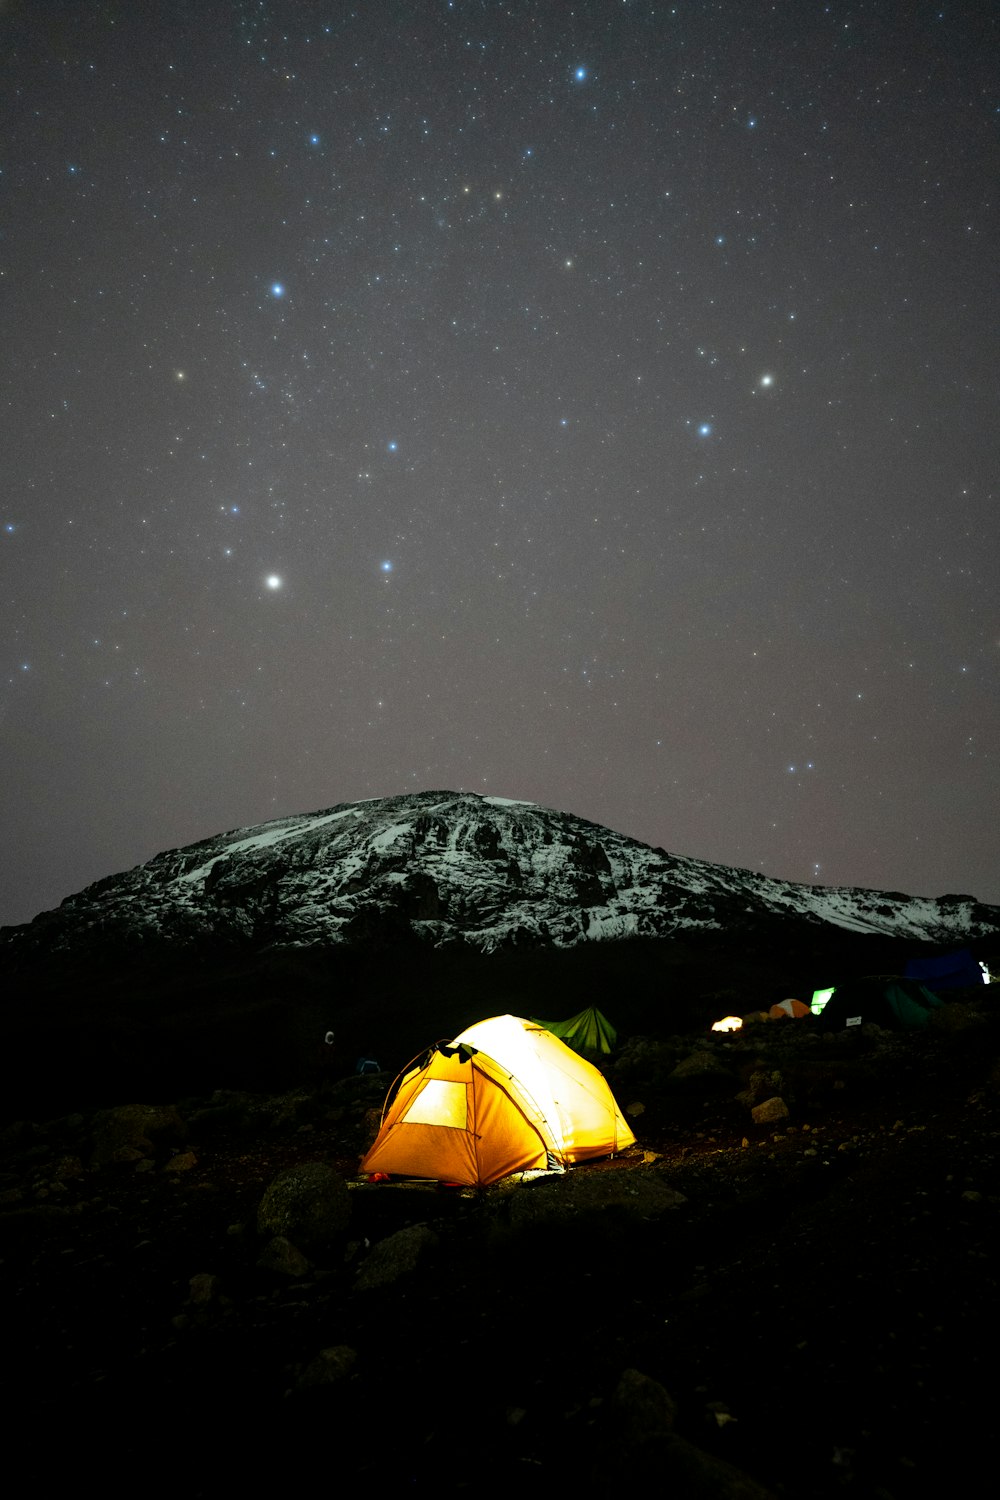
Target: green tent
590	1031
887	999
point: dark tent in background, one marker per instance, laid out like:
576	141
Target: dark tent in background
590	1031
887	1000
949	971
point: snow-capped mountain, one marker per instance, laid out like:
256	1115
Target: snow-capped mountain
454	868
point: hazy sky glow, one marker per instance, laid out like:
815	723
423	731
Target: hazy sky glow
595	405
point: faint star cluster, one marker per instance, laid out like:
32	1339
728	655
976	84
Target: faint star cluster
595	407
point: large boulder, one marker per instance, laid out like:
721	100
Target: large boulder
396	1256
131	1131
637	1194
308	1205
701	1068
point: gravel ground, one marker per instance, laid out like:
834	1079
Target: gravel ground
801	1308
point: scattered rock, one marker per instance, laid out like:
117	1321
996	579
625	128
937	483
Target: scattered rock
204	1288
769	1111
957	1017
763	1084
132	1127
633	1193
330	1366
642	1407
701	1067
683	1469
395	1256
183	1162
649	1449
309	1204
282	1257
67	1168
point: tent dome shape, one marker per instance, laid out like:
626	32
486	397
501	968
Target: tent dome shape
888	1000
786	1008
946	971
505	1096
588	1031
572	1094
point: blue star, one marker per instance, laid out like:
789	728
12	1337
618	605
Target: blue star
705	429
386	566
392	445
580	74
277	289
314	140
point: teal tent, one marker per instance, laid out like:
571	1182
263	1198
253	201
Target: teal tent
590	1031
888	1000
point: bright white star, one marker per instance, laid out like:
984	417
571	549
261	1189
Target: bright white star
273	581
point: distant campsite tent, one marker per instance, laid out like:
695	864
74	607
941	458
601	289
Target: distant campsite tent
949	971
590	1031
505	1096
785	1008
887	1000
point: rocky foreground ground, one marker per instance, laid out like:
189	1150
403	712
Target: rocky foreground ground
788	1288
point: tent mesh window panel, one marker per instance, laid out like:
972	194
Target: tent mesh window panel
439	1103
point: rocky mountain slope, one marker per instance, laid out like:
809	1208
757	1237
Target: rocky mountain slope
450	868
397	921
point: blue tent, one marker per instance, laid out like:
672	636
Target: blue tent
948	971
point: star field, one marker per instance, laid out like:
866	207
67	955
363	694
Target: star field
594	406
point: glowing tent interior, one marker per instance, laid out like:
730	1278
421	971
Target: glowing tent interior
505	1096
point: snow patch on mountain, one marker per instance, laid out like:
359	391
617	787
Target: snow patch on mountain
457	868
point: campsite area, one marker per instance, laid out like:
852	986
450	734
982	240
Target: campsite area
800	1308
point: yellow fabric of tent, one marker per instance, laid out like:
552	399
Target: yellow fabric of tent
505	1096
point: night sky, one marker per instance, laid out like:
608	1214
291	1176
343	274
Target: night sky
593	404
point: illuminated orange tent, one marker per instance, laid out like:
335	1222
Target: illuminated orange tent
505	1096
793	1008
